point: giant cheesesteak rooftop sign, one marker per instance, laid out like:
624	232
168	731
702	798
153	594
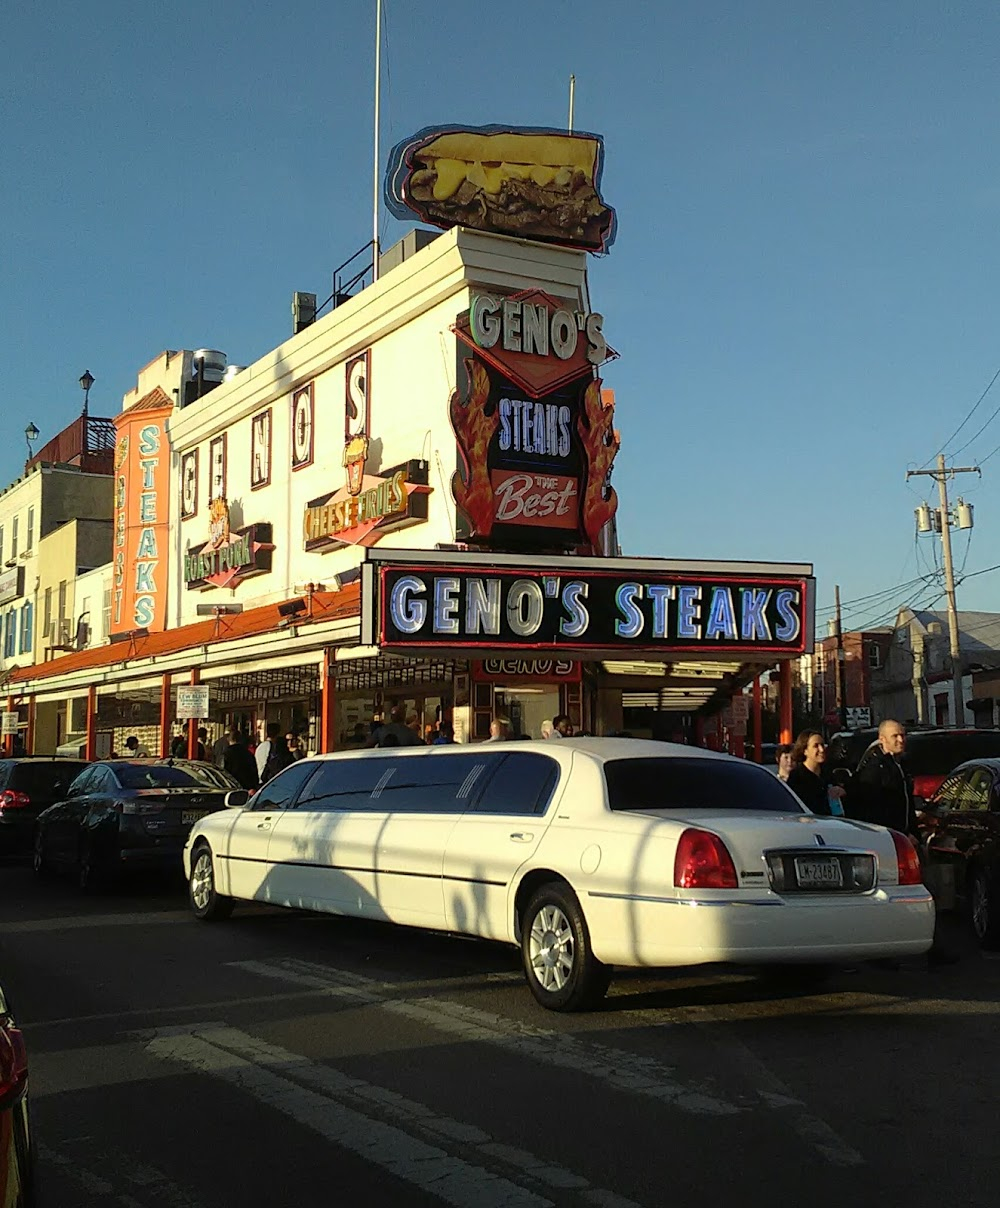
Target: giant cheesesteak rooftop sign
587	605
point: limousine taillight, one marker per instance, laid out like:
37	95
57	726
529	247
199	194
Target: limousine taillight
702	861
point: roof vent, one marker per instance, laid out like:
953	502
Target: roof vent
232	371
210	365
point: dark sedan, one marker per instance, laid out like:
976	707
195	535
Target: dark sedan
15	1138
126	814
27	787
960	826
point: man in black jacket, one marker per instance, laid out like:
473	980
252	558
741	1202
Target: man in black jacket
881	791
239	763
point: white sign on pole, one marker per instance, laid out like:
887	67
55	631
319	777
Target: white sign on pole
858	716
741	708
192	701
9	725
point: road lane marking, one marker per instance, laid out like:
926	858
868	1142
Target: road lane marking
617	1068
408	1158
409	1114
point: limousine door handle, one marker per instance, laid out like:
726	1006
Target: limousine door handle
521	836
265	825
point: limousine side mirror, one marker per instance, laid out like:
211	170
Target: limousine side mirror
237	798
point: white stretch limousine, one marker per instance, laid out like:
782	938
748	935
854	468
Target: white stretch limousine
587	853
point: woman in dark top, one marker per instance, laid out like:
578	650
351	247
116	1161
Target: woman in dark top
808	778
278	759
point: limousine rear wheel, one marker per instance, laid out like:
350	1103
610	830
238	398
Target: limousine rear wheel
562	972
206	902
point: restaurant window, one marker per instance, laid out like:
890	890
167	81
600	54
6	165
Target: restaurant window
30	539
260	450
217	468
13	537
27	624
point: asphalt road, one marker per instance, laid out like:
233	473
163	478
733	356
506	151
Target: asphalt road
286	1059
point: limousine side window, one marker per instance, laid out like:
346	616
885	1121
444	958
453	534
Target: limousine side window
418	784
279	793
521	783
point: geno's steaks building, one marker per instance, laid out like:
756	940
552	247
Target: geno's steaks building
411	501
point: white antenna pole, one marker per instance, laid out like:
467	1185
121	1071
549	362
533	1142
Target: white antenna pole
572	94
375	164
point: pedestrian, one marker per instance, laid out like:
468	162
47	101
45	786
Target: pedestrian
295	745
783	758
200	748
135	749
881	792
239	763
499	730
445	735
548	731
808	778
562	725
264	748
219	749
395	728
179	746
279	757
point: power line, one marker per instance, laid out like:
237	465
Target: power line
875	594
965	421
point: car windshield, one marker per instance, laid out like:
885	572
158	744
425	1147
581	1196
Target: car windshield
160	776
50	776
682	784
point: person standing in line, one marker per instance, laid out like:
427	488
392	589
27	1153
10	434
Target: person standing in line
279	757
295	745
264	748
179	746
808	778
395	728
548	731
219	749
239	763
135	749
562	725
445	735
783	758
499	730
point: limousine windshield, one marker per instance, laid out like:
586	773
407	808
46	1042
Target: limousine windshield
684	784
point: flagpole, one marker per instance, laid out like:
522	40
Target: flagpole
375	164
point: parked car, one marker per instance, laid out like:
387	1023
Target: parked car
127	813
845	748
932	754
28	786
16	1160
587	854
960	828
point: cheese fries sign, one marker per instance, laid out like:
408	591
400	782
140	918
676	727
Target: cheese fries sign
534	183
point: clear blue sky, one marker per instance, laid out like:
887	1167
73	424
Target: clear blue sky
802	290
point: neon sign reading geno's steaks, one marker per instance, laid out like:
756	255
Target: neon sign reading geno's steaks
424	606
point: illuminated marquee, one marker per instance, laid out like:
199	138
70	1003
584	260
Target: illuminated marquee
481	607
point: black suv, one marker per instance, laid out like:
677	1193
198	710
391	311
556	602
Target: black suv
28	786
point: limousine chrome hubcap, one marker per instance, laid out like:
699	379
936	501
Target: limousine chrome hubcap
201	880
551	948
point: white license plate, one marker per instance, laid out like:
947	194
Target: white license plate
818	874
189	817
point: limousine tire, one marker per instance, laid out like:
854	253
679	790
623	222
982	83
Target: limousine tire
206	902
560	967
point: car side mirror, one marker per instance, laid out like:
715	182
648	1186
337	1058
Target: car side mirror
237	798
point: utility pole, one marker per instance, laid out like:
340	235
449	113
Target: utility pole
944	522
838	671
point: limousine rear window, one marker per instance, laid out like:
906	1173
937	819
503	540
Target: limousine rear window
681	783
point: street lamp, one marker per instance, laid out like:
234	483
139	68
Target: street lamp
86	381
30	435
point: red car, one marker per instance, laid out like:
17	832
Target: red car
16	1167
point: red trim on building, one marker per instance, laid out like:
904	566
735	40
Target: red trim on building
326	606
